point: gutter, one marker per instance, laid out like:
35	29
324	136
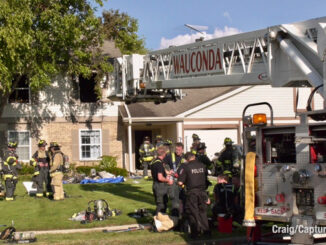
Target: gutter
153	119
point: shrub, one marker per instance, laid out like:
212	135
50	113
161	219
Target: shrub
26	169
108	162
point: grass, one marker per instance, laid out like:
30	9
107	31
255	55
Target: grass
29	213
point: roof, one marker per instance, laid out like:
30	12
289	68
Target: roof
193	98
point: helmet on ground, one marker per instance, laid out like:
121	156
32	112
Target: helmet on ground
228	141
227	173
195	137
41	143
12	144
201	146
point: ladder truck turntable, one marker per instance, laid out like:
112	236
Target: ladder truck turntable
291	159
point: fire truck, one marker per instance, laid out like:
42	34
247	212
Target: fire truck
290	185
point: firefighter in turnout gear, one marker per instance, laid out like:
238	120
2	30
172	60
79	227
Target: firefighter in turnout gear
10	167
229	159
172	162
195	143
202	157
158	141
41	163
56	171
194	176
146	152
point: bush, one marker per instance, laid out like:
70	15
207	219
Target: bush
26	169
108	162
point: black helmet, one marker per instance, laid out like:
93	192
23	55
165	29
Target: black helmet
54	144
41	143
12	144
201	146
195	137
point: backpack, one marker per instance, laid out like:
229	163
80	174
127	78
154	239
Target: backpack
65	167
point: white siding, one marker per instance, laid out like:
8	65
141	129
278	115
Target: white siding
55	101
281	100
213	139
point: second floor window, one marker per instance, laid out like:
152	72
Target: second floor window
87	89
21	93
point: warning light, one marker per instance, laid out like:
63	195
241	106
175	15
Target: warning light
321	200
280	197
259	119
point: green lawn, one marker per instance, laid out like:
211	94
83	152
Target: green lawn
29	213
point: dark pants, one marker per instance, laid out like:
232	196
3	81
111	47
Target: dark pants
159	191
10	187
43	177
196	210
173	194
145	166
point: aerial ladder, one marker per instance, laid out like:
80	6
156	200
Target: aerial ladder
291	159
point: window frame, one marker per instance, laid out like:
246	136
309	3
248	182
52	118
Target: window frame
80	145
17	89
29	143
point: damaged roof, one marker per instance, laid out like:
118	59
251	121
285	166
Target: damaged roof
193	98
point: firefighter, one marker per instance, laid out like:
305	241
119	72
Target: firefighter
202	157
194	176
41	163
56	171
146	152
168	143
195	143
229	159
158	141
160	180
10	167
227	198
173	161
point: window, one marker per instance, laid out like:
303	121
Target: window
90	144
87	89
21	93
23	140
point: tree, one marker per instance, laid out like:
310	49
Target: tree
42	38
123	29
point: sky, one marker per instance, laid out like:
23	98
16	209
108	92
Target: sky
161	22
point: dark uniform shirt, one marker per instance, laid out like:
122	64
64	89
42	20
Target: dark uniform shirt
203	158
174	161
194	175
156	168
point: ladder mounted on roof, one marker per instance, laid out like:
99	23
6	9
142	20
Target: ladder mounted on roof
289	55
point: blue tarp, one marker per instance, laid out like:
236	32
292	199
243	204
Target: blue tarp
118	179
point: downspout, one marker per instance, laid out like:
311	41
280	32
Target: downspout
131	169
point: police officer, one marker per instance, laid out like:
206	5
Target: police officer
202	157
160	180
194	176
195	143
173	161
229	159
10	167
146	152
56	171
41	163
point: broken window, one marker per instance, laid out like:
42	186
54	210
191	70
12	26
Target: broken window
87	89
21	93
